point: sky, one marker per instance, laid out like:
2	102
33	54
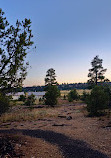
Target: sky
68	34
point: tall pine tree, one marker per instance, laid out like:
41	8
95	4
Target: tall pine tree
96	73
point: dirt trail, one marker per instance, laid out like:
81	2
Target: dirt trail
69	147
74	134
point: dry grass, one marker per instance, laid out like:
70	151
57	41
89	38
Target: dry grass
19	113
80	91
29	114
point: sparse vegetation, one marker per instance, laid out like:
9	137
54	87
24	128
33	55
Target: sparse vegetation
79	91
27	115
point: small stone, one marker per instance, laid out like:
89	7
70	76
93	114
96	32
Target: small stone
69	118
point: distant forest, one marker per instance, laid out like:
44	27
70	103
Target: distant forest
63	86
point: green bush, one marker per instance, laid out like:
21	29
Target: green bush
4	103
30	100
40	99
73	95
51	95
10	97
22	98
64	97
107	89
97	101
84	96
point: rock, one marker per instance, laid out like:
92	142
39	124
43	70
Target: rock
61	116
58	124
40	106
69	118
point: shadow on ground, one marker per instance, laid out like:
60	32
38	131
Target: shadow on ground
70	148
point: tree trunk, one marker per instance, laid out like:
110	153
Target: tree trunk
96	78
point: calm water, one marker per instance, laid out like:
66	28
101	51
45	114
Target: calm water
37	94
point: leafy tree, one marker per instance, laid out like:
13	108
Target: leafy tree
97	101
52	91
96	73
73	95
50	77
14	43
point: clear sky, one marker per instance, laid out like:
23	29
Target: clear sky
68	34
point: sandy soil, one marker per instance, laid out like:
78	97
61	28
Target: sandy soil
93	131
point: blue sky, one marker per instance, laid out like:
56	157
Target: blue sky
68	34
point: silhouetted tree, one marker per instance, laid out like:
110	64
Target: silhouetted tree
14	43
50	77
96	73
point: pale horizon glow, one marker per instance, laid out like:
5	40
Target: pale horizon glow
68	34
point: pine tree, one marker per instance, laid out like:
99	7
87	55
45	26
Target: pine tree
52	91
96	73
50	77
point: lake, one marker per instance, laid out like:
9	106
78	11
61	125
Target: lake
37	94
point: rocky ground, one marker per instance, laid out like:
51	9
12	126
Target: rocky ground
71	134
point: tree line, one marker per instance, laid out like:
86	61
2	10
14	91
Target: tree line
63	86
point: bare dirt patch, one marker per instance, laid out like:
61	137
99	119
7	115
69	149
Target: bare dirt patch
20	146
93	131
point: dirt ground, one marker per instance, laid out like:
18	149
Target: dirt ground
71	123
